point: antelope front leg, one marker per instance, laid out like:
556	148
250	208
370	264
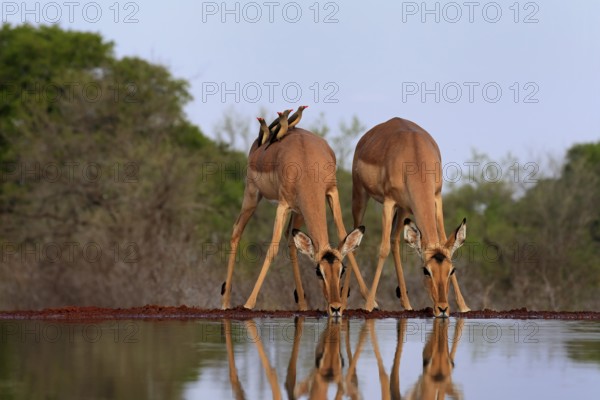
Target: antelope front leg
460	301
280	217
384	250
402	293
296	223
334	204
439	216
346	290
251	199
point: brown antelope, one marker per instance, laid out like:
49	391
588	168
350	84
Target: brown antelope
298	173
399	165
438	363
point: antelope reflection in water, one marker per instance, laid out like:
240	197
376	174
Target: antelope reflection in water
434	383
438	363
329	363
236	385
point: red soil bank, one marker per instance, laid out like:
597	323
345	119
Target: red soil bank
154	312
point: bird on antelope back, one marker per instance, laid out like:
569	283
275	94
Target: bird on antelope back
295	118
280	129
264	132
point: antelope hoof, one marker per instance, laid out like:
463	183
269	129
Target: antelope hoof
369	305
406	304
301	303
464	309
249	306
225	306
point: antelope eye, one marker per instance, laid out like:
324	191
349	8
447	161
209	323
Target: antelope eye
319	274
426	272
453	271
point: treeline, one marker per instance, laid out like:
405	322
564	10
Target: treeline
110	196
101	198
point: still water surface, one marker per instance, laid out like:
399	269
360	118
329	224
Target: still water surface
300	358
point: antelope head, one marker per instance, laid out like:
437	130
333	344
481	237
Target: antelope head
437	263
329	265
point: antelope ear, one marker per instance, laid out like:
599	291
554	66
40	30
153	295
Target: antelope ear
352	241
459	237
412	235
303	243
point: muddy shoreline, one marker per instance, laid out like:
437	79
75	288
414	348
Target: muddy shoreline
155	312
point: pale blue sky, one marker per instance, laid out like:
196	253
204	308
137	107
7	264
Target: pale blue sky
372	56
